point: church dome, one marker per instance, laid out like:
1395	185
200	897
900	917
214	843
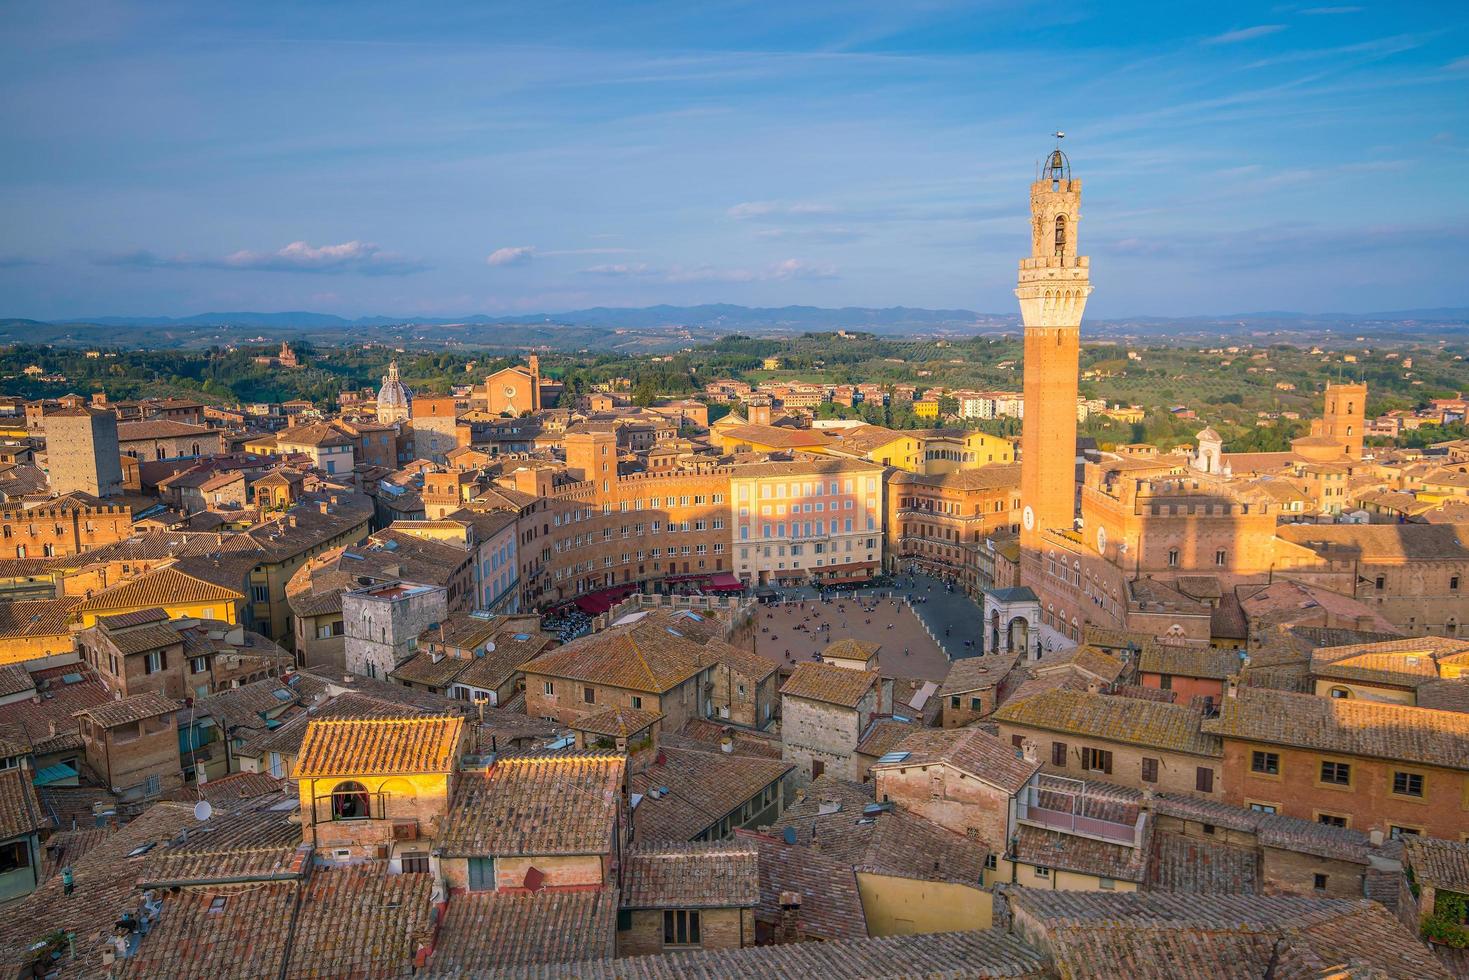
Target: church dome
394	395
1209	435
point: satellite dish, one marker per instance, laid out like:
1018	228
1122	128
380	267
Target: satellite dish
789	834
203	811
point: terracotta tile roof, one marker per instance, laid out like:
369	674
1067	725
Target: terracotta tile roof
485	932
1163	726
620	722
1440	863
1368	542
536	805
213	933
1445	695
316	434
136	618
15	679
831	907
1202	867
499	665
160	429
149	704
1086	855
1177	660
20	810
163	585
68	846
224	790
430	670
830	684
654	661
36	617
851	649
1345	726
58	702
1406	662
1221	937
361	922
255	842
772	435
894	842
105	886
682	875
704	785
746	741
882	735
968	750
1144	693
992	476
379	746
940	956
976	674
142	638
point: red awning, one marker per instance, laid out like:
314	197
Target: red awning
596	603
726	582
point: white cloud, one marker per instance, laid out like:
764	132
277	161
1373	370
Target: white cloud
786	269
1458	64
757	210
511	255
354	256
1245	34
361	258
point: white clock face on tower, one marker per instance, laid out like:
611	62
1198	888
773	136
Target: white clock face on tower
1101	540
1029	518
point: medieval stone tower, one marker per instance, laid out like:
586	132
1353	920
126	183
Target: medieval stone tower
1052	289
1344	417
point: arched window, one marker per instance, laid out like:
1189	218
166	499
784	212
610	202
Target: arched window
1341	693
349	802
1349	408
1060	234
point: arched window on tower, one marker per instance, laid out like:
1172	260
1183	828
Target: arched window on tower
1060	234
1349	408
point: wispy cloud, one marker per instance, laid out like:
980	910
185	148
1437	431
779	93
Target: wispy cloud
1245	34
774	210
1328	11
522	254
16	261
511	255
823	236
783	270
1458	64
354	257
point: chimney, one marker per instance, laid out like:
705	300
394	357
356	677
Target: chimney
1093	687
1027	749
1231	688
790	917
1375	836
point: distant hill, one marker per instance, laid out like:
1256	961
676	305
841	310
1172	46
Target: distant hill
656	329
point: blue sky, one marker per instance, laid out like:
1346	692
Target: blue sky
444	159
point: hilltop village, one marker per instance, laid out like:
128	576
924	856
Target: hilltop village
519	681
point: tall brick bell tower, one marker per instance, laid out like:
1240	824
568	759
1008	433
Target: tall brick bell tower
1052	288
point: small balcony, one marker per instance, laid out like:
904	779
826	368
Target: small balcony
1082	809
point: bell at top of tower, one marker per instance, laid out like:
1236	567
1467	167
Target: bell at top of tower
1057	167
